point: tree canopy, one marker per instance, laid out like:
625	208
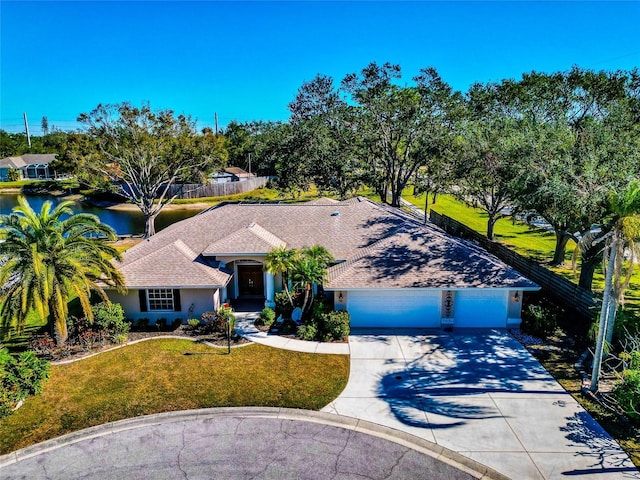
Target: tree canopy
146	152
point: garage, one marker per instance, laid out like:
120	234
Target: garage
400	308
480	308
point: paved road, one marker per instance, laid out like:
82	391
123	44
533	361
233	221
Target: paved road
481	394
259	443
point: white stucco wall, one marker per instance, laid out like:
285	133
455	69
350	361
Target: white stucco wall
196	300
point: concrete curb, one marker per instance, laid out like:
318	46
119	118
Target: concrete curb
425	447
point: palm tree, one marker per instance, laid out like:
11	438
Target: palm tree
49	259
625	232
320	254
280	261
308	271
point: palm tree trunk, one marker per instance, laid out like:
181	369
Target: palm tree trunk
602	328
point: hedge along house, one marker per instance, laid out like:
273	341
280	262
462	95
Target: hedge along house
390	270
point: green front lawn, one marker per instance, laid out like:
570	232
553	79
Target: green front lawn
168	374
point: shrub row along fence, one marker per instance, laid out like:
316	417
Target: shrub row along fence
189	190
563	291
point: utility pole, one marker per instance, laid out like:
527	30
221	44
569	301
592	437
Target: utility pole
26	127
249	163
215	117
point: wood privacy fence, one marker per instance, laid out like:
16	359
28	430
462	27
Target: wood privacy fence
563	291
189	190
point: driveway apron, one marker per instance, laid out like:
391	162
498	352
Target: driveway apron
481	394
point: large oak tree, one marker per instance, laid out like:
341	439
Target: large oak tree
145	152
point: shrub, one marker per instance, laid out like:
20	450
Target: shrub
13	175
335	325
90	339
42	345
161	323
217	321
213	323
193	323
110	316
176	323
268	316
627	393
319	310
20	377
143	323
538	320
283	306
307	332
120	338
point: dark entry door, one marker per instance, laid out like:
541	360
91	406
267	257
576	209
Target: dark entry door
250	281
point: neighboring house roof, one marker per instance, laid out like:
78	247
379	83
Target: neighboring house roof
26	160
238	172
378	246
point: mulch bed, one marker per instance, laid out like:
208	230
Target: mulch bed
218	339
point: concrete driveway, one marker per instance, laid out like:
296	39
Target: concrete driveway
481	394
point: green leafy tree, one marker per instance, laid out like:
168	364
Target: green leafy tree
397	125
49	259
624	236
488	166
45	125
329	152
146	152
579	146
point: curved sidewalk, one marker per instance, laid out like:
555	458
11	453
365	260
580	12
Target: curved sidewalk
246	329
240	443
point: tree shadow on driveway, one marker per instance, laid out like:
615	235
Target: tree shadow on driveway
451	379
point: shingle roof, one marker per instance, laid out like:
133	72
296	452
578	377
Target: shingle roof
27	159
424	258
238	172
174	265
252	239
378	246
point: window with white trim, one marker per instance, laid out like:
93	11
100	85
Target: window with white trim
160	299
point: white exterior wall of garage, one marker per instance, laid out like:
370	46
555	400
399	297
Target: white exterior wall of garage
422	308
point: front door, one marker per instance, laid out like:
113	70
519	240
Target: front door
250	281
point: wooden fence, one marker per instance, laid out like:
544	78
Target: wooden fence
563	291
217	189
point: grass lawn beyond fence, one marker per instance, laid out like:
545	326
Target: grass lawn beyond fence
530	242
165	375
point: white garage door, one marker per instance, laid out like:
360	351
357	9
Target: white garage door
480	308
398	308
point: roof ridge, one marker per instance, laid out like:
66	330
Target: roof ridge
177	244
264	234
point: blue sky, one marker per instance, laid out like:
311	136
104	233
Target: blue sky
245	61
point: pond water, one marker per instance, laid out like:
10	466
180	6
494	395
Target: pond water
123	222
